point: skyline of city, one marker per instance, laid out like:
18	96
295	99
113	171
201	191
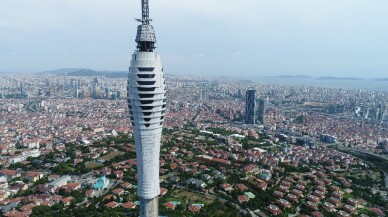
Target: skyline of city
207	149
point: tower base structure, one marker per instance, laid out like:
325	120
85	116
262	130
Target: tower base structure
149	207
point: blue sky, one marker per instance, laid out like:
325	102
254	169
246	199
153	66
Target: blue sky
218	37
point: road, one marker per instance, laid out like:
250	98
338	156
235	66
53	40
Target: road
260	213
341	147
90	174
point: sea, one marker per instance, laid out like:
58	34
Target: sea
357	84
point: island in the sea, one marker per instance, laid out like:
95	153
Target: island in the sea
338	78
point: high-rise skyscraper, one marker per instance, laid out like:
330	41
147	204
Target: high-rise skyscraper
250	106
261	110
146	103
384	112
21	88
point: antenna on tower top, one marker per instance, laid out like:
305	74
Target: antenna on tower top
145	12
145	37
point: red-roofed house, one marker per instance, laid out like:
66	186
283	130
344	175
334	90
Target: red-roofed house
119	174
69	187
53	177
33	176
242	187
262	186
316	214
112	205
89	193
226	187
195	209
283	203
163	191
126	185
66	201
274	210
278	194
118	191
10	174
108	197
129	205
243	198
169	205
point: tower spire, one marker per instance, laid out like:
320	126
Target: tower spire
145	37
145	12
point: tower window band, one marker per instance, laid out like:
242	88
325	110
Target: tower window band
146	75
146	89
142	96
146	107
145	69
146	102
146	82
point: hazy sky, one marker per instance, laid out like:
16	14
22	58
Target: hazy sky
217	37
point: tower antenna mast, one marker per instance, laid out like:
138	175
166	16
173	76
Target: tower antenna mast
145	12
145	37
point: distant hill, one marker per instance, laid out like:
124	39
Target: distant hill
10	73
338	78
62	71
88	73
381	79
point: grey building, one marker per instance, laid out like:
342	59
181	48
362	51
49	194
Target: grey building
250	106
261	110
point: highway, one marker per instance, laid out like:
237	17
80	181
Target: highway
341	147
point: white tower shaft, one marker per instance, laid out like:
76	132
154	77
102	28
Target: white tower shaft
146	103
146	100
